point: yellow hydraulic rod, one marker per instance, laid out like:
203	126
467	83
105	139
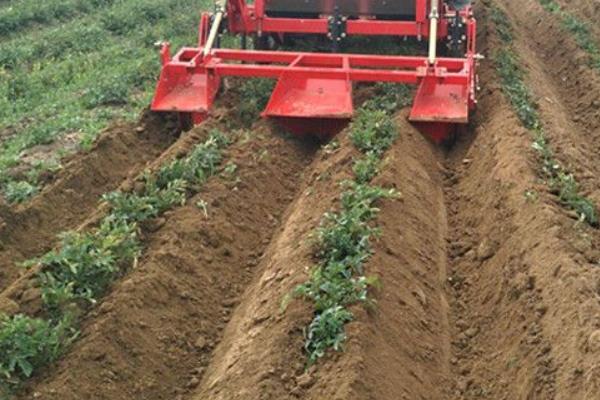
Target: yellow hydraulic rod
214	29
434	17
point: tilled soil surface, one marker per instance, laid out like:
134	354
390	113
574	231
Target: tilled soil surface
152	337
559	75
486	292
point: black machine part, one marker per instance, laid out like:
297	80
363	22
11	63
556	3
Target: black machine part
459	4
350	8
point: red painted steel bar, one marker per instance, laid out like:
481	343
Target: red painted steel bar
328	58
268	64
366	75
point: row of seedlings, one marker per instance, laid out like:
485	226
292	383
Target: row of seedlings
343	238
73	277
580	30
512	77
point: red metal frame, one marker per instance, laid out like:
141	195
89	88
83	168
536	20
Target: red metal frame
318	85
354	67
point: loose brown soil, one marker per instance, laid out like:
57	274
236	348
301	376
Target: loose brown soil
157	327
486	292
260	356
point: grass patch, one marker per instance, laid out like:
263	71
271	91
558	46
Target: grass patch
512	76
74	276
28	13
60	80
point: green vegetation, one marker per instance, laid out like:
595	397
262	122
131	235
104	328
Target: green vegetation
512	77
254	95
502	24
100	64
19	191
580	29
343	238
388	45
87	263
343	246
389	97
515	89
27	344
366	168
373	131
73	277
16	18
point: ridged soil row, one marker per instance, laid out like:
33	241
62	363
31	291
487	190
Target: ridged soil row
30	229
585	10
567	89
23	295
153	334
400	348
523	277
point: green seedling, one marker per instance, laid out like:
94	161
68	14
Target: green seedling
203	205
531	195
343	240
19	191
85	264
27	344
516	91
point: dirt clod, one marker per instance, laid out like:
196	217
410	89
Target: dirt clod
201	343
193	383
594	342
472	332
485	250
305	380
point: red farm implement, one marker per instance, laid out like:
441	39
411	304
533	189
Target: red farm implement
313	94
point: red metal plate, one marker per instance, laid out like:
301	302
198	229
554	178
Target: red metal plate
300	97
437	101
188	95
